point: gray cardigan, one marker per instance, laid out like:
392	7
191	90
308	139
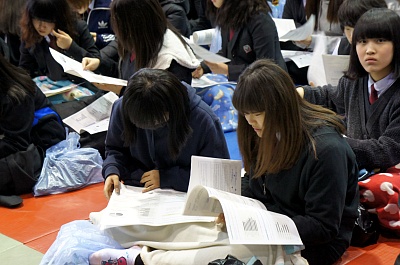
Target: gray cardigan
373	131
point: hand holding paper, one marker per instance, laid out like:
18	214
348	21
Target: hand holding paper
218	68
74	67
288	31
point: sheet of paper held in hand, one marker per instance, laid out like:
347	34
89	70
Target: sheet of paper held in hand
221	174
247	220
95	117
287	29
300	58
205	54
74	67
154	208
335	66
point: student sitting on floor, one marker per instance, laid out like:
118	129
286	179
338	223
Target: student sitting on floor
297	161
369	97
146	39
51	24
28	126
349	12
247	35
154	130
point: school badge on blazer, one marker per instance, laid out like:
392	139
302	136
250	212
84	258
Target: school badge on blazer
247	48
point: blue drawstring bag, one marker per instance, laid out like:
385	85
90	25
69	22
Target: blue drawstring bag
67	167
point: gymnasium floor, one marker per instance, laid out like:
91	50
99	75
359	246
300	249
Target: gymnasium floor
28	231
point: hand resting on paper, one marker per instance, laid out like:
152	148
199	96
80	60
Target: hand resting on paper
220	221
112	183
151	180
92	64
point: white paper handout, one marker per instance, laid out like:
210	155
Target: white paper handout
247	220
316	72
335	66
154	208
95	117
300	58
204	81
205	54
287	29
74	67
222	174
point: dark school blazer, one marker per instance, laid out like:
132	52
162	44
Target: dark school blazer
258	39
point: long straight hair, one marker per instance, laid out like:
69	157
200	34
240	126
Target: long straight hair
234	14
376	23
289	120
55	11
10	15
140	26
155	98
313	8
16	84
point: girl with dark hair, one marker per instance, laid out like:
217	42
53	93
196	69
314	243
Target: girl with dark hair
369	97
372	125
349	13
51	23
326	20
28	126
248	33
154	130
297	161
146	39
10	14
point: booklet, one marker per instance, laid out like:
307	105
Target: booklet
247	220
154	208
74	67
222	174
95	117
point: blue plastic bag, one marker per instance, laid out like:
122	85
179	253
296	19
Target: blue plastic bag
67	167
75	242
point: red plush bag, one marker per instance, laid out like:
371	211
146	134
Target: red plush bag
380	194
